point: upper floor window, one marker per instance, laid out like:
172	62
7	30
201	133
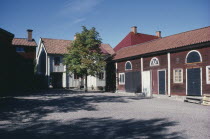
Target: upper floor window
193	56
20	49
154	62
56	61
128	65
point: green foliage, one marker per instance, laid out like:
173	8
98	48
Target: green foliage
84	54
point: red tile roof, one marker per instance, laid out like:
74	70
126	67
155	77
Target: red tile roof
58	46
23	42
175	41
132	39
107	49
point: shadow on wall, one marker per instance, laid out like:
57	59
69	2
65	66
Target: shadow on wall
94	128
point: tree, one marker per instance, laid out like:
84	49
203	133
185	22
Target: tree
84	54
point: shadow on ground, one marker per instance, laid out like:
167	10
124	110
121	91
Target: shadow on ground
21	117
38	106
94	128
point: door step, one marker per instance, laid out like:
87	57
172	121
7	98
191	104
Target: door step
196	100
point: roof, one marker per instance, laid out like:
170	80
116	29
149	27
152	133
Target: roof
107	49
132	39
170	42
56	46
23	42
6	32
59	46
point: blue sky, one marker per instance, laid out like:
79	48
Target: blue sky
61	19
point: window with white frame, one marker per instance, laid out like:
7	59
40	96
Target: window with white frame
154	62
128	65
208	74
178	75
121	78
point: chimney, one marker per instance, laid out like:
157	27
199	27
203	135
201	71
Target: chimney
158	34
134	29
75	37
29	34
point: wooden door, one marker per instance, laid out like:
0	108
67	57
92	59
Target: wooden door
162	82
194	82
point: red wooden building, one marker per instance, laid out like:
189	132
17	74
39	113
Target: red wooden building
174	65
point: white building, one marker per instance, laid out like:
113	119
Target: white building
50	63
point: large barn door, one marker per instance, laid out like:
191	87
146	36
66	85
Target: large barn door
162	82
194	82
133	81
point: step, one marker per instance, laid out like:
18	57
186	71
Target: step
196	99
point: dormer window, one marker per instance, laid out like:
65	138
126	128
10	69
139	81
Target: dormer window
154	62
56	61
128	65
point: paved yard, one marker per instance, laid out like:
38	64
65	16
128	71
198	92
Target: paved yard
64	114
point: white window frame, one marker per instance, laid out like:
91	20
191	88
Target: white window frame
121	83
191	52
174	81
131	65
155	64
207	75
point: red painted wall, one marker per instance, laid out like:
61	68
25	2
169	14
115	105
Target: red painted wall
154	70
136	66
178	61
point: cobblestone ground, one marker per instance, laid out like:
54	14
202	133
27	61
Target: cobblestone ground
70	114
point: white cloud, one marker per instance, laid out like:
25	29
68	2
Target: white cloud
79	20
79	7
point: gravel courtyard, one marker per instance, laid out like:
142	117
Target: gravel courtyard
68	114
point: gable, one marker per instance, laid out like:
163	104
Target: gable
132	39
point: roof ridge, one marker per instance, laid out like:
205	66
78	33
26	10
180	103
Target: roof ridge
56	39
186	31
161	38
147	34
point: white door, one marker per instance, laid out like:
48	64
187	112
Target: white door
146	83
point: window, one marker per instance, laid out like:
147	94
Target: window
208	74
101	75
121	78
20	49
56	61
178	75
76	76
193	56
154	62
128	65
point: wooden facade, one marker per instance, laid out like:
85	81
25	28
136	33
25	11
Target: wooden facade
180	71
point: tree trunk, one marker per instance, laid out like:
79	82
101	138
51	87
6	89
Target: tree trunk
86	83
